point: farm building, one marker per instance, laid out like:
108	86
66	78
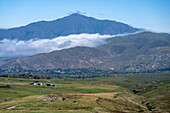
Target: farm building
51	85
58	98
48	84
74	102
36	83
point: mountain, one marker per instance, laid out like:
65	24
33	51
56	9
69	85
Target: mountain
142	52
72	24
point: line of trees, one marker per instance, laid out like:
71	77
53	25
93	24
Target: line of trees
28	76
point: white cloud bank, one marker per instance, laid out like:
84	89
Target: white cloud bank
13	48
17	48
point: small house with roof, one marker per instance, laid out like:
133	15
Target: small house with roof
36	83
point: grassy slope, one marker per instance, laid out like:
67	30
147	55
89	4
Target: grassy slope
102	94
157	94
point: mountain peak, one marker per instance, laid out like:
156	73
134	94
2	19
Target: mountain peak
76	15
75	23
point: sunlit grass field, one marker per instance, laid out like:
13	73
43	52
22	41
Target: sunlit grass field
93	95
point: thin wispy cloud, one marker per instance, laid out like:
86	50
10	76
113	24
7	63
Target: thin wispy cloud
79	12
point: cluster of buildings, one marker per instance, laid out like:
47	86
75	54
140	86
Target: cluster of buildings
40	84
52	99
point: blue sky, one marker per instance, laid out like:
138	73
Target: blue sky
149	14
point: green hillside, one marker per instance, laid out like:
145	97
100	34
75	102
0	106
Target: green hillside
113	94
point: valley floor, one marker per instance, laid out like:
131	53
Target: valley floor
94	95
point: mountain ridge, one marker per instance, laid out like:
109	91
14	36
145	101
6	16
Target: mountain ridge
142	52
72	24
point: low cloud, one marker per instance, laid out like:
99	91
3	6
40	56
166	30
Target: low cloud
15	48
